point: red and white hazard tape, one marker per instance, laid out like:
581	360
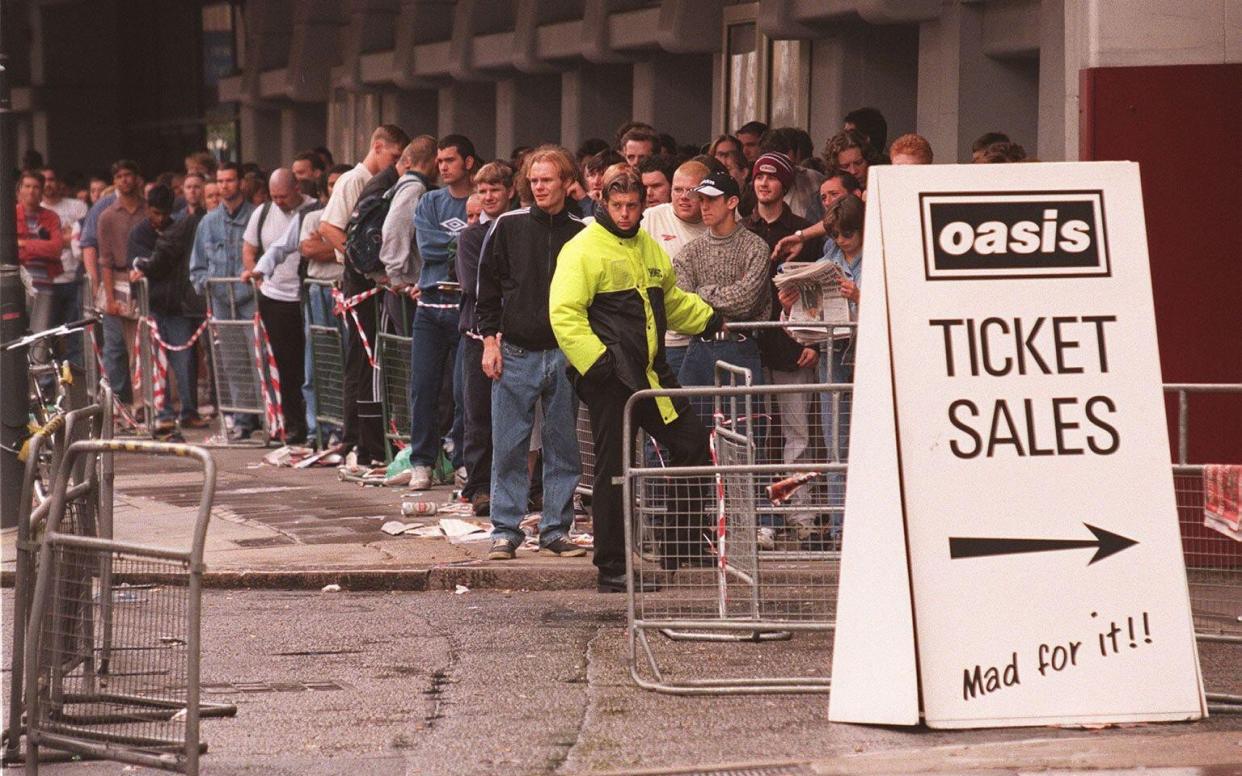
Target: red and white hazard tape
272	407
341	306
155	335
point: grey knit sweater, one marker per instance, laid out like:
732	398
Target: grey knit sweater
729	273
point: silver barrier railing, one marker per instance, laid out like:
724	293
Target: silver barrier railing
1213	560
146	357
239	370
327	350
43	453
393	341
714	582
119	688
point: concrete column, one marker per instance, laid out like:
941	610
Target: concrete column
963	93
873	66
469	109
674	94
261	135
416	111
528	111
595	100
303	125
1058	88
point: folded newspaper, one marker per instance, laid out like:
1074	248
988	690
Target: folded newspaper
819	300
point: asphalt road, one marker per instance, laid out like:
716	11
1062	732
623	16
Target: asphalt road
490	682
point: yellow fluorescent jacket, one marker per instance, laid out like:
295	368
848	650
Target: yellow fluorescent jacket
620	295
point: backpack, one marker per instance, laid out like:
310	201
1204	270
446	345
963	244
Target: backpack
364	232
267	208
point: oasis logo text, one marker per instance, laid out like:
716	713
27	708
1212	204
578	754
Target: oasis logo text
1027	234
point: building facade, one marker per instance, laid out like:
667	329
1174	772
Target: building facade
261	79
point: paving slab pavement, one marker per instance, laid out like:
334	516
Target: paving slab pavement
285	528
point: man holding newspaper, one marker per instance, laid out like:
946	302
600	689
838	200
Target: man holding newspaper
827	291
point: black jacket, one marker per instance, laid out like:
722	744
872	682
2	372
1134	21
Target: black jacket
516	266
168	270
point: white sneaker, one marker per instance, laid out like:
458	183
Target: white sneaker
459	477
420	478
765	539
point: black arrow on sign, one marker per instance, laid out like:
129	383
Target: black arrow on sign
1105	542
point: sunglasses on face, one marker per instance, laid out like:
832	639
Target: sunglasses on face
837	234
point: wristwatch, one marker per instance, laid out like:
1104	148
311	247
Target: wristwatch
798	234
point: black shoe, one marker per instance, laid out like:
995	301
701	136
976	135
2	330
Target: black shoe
616	584
564	548
481	505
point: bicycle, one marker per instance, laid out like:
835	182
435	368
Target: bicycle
49	405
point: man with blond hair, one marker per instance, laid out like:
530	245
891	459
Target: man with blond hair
363	418
519	257
493	191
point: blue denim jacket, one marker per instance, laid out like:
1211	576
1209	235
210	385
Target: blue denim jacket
218	254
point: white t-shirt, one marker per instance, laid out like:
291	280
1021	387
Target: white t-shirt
344	196
283	284
319	270
70	211
672	234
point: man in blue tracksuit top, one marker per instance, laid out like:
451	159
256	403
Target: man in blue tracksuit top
439	216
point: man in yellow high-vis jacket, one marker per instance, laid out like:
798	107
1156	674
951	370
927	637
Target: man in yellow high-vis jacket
613	296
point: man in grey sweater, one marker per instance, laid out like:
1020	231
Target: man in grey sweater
398	251
728	268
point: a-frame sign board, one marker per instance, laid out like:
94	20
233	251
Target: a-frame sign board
1011	551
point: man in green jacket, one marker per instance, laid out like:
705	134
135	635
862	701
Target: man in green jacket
613	295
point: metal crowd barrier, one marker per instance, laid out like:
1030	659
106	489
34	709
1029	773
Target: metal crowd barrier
240	373
146	357
586	453
90	487
113	671
1213	560
693	531
393	344
327	348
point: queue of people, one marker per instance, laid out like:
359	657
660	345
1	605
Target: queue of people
537	282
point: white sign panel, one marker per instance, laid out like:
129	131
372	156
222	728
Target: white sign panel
1044	557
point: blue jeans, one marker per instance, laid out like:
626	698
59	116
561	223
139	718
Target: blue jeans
529	376
675	356
177	330
116	356
435	343
699	367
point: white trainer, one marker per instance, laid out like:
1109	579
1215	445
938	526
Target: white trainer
420	478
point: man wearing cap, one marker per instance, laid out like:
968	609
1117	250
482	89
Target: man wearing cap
728	268
787	361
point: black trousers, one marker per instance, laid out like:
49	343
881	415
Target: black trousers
476	398
364	417
283	321
681	534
